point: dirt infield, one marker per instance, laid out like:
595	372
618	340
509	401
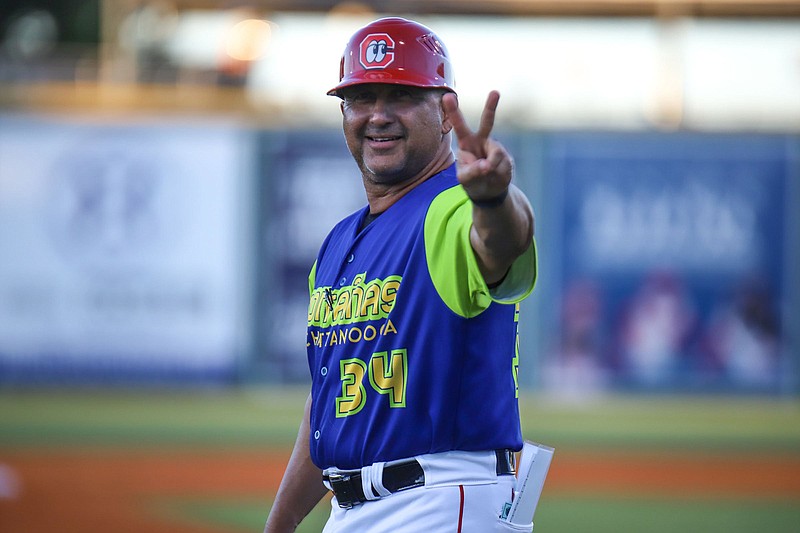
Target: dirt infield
97	491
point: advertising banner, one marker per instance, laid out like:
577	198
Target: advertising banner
309	182
672	253
122	250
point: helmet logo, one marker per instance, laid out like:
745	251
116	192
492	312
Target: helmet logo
376	50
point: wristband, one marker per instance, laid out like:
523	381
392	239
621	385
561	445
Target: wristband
494	201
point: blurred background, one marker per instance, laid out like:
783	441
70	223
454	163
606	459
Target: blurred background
168	170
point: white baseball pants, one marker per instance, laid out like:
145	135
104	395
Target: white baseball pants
462	494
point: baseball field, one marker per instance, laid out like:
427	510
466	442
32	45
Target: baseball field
210	461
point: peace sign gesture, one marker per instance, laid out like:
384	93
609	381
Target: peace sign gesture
485	167
502	217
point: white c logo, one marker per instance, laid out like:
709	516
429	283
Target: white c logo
376	51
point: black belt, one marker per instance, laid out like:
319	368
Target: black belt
397	477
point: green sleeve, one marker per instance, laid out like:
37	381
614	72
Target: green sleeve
452	263
312	278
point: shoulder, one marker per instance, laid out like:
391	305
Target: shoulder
451	262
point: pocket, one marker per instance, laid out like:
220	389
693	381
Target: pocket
503	526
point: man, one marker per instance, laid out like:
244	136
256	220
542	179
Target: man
413	417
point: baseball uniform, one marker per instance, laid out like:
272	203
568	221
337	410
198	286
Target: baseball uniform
411	354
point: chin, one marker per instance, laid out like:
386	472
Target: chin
385	174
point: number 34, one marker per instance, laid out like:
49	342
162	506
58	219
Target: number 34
387	375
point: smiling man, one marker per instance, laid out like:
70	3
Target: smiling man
413	420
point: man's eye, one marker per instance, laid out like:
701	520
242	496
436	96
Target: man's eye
360	97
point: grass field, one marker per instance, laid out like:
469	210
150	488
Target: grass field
210	461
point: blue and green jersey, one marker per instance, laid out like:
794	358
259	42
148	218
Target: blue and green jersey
410	352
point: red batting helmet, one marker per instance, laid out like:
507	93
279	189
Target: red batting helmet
395	50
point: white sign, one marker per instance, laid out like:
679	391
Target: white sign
121	247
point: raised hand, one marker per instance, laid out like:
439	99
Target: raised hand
485	168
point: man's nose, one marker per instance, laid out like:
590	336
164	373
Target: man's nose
382	111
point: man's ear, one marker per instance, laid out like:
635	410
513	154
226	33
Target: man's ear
447	125
341	106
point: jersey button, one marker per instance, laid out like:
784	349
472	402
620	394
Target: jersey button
324	370
342	282
351	258
316	434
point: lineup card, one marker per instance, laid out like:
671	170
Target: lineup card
534	464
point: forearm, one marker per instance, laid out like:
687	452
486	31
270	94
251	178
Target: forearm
501	233
301	487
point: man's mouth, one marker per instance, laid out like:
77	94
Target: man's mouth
383	139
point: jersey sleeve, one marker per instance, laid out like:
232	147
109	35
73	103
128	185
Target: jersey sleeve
453	266
312	278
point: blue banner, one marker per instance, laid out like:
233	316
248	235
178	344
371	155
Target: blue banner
671	257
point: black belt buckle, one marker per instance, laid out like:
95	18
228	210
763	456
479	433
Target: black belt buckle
345	493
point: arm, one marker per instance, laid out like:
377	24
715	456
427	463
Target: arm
501	234
301	487
502	217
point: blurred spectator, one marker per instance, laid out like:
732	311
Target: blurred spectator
30	34
144	34
743	337
655	330
576	367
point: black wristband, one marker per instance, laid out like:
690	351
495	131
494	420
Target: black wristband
494	201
